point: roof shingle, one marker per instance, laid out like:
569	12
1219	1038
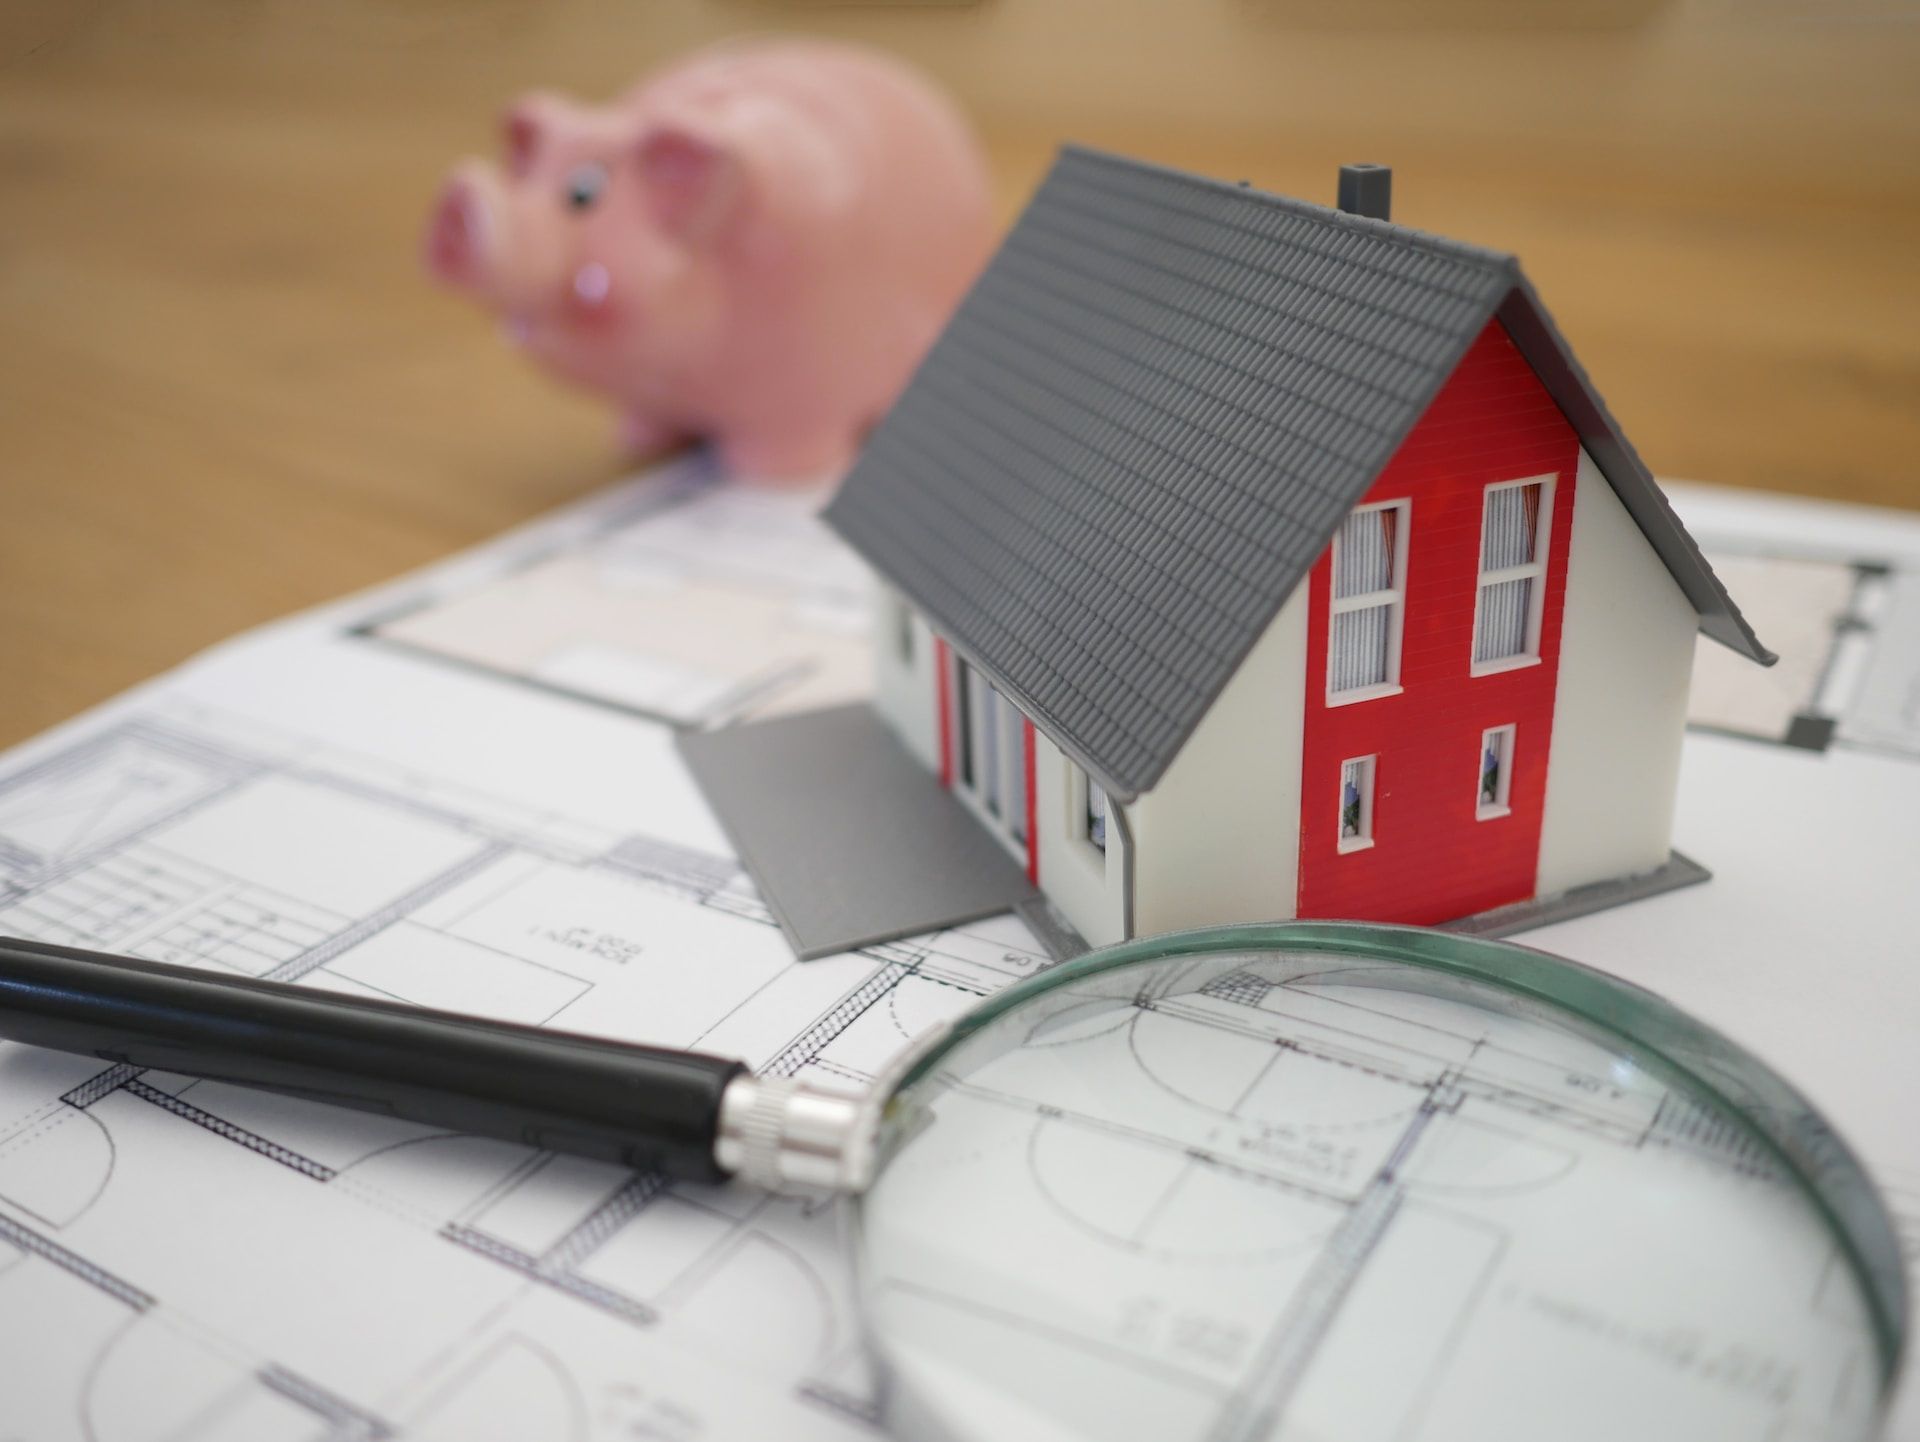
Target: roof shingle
1143	425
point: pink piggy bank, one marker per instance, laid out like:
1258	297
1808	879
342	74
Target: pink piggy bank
756	245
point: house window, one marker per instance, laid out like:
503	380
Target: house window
992	751
903	631
1513	563
1356	804
967	727
1369	599
1496	773
1092	811
1013	744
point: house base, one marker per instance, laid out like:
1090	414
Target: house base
852	843
1053	931
1676	872
849	839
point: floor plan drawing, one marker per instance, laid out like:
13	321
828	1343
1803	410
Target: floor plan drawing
694	604
1298	1202
1845	619
462	791
334	1275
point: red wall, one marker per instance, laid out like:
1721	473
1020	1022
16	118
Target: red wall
1431	859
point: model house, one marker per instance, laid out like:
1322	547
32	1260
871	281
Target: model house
1245	559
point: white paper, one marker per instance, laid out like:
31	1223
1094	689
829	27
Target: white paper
182	1259
335	800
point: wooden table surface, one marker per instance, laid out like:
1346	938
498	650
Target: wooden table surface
226	391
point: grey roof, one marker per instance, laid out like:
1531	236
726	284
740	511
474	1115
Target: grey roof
1145	422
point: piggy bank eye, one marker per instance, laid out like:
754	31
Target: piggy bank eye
584	185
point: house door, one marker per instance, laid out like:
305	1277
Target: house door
991	756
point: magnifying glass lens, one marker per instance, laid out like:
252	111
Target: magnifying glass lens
1283	1193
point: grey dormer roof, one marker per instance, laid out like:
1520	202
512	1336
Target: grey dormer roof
1148	417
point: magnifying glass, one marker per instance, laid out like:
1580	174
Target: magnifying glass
1300	1181
1313	1181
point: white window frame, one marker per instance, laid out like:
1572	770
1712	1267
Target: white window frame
1394	596
1081	791
1536	569
1484	810
1368	767
976	707
904	641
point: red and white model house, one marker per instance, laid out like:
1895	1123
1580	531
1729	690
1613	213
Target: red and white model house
1246	559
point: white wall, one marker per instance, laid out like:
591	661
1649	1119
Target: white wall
1626	655
905	692
1218	839
1087	885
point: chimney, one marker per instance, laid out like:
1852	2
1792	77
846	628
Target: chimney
1367	190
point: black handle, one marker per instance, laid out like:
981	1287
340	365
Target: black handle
640	1106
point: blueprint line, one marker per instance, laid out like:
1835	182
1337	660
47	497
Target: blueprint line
28	1240
346	1422
354	935
186	1111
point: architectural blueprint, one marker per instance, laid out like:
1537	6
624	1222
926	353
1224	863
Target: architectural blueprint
1840	605
401	795
183	1259
687	602
1297	1192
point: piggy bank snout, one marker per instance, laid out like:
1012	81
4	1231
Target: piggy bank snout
459	239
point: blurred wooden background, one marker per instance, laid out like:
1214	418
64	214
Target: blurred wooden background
226	391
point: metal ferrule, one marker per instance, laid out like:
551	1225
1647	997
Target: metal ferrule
784	1135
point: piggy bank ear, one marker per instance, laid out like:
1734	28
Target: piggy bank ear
529	125
693	185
